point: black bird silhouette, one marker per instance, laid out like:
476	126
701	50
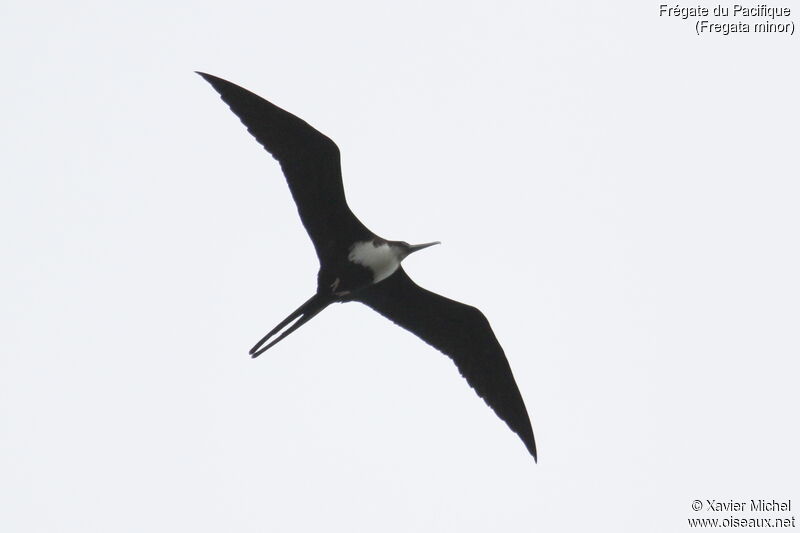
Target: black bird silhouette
357	265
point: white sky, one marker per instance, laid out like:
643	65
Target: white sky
617	194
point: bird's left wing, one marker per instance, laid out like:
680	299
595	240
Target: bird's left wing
461	332
309	160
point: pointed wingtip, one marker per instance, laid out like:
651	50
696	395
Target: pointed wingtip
530	444
207	77
533	452
210	78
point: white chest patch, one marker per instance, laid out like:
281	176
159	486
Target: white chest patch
381	259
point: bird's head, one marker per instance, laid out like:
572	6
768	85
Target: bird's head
404	249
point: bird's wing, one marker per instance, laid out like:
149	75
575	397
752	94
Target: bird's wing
461	332
309	160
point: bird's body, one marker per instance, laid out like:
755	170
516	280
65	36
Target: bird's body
379	256
357	265
366	262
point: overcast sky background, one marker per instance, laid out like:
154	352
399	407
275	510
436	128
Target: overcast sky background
618	195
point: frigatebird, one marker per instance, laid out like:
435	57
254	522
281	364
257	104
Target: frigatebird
357	265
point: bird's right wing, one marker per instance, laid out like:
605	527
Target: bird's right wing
309	160
461	332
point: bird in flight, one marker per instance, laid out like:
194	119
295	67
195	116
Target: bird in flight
357	265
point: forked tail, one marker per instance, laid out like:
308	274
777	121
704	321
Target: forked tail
302	314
